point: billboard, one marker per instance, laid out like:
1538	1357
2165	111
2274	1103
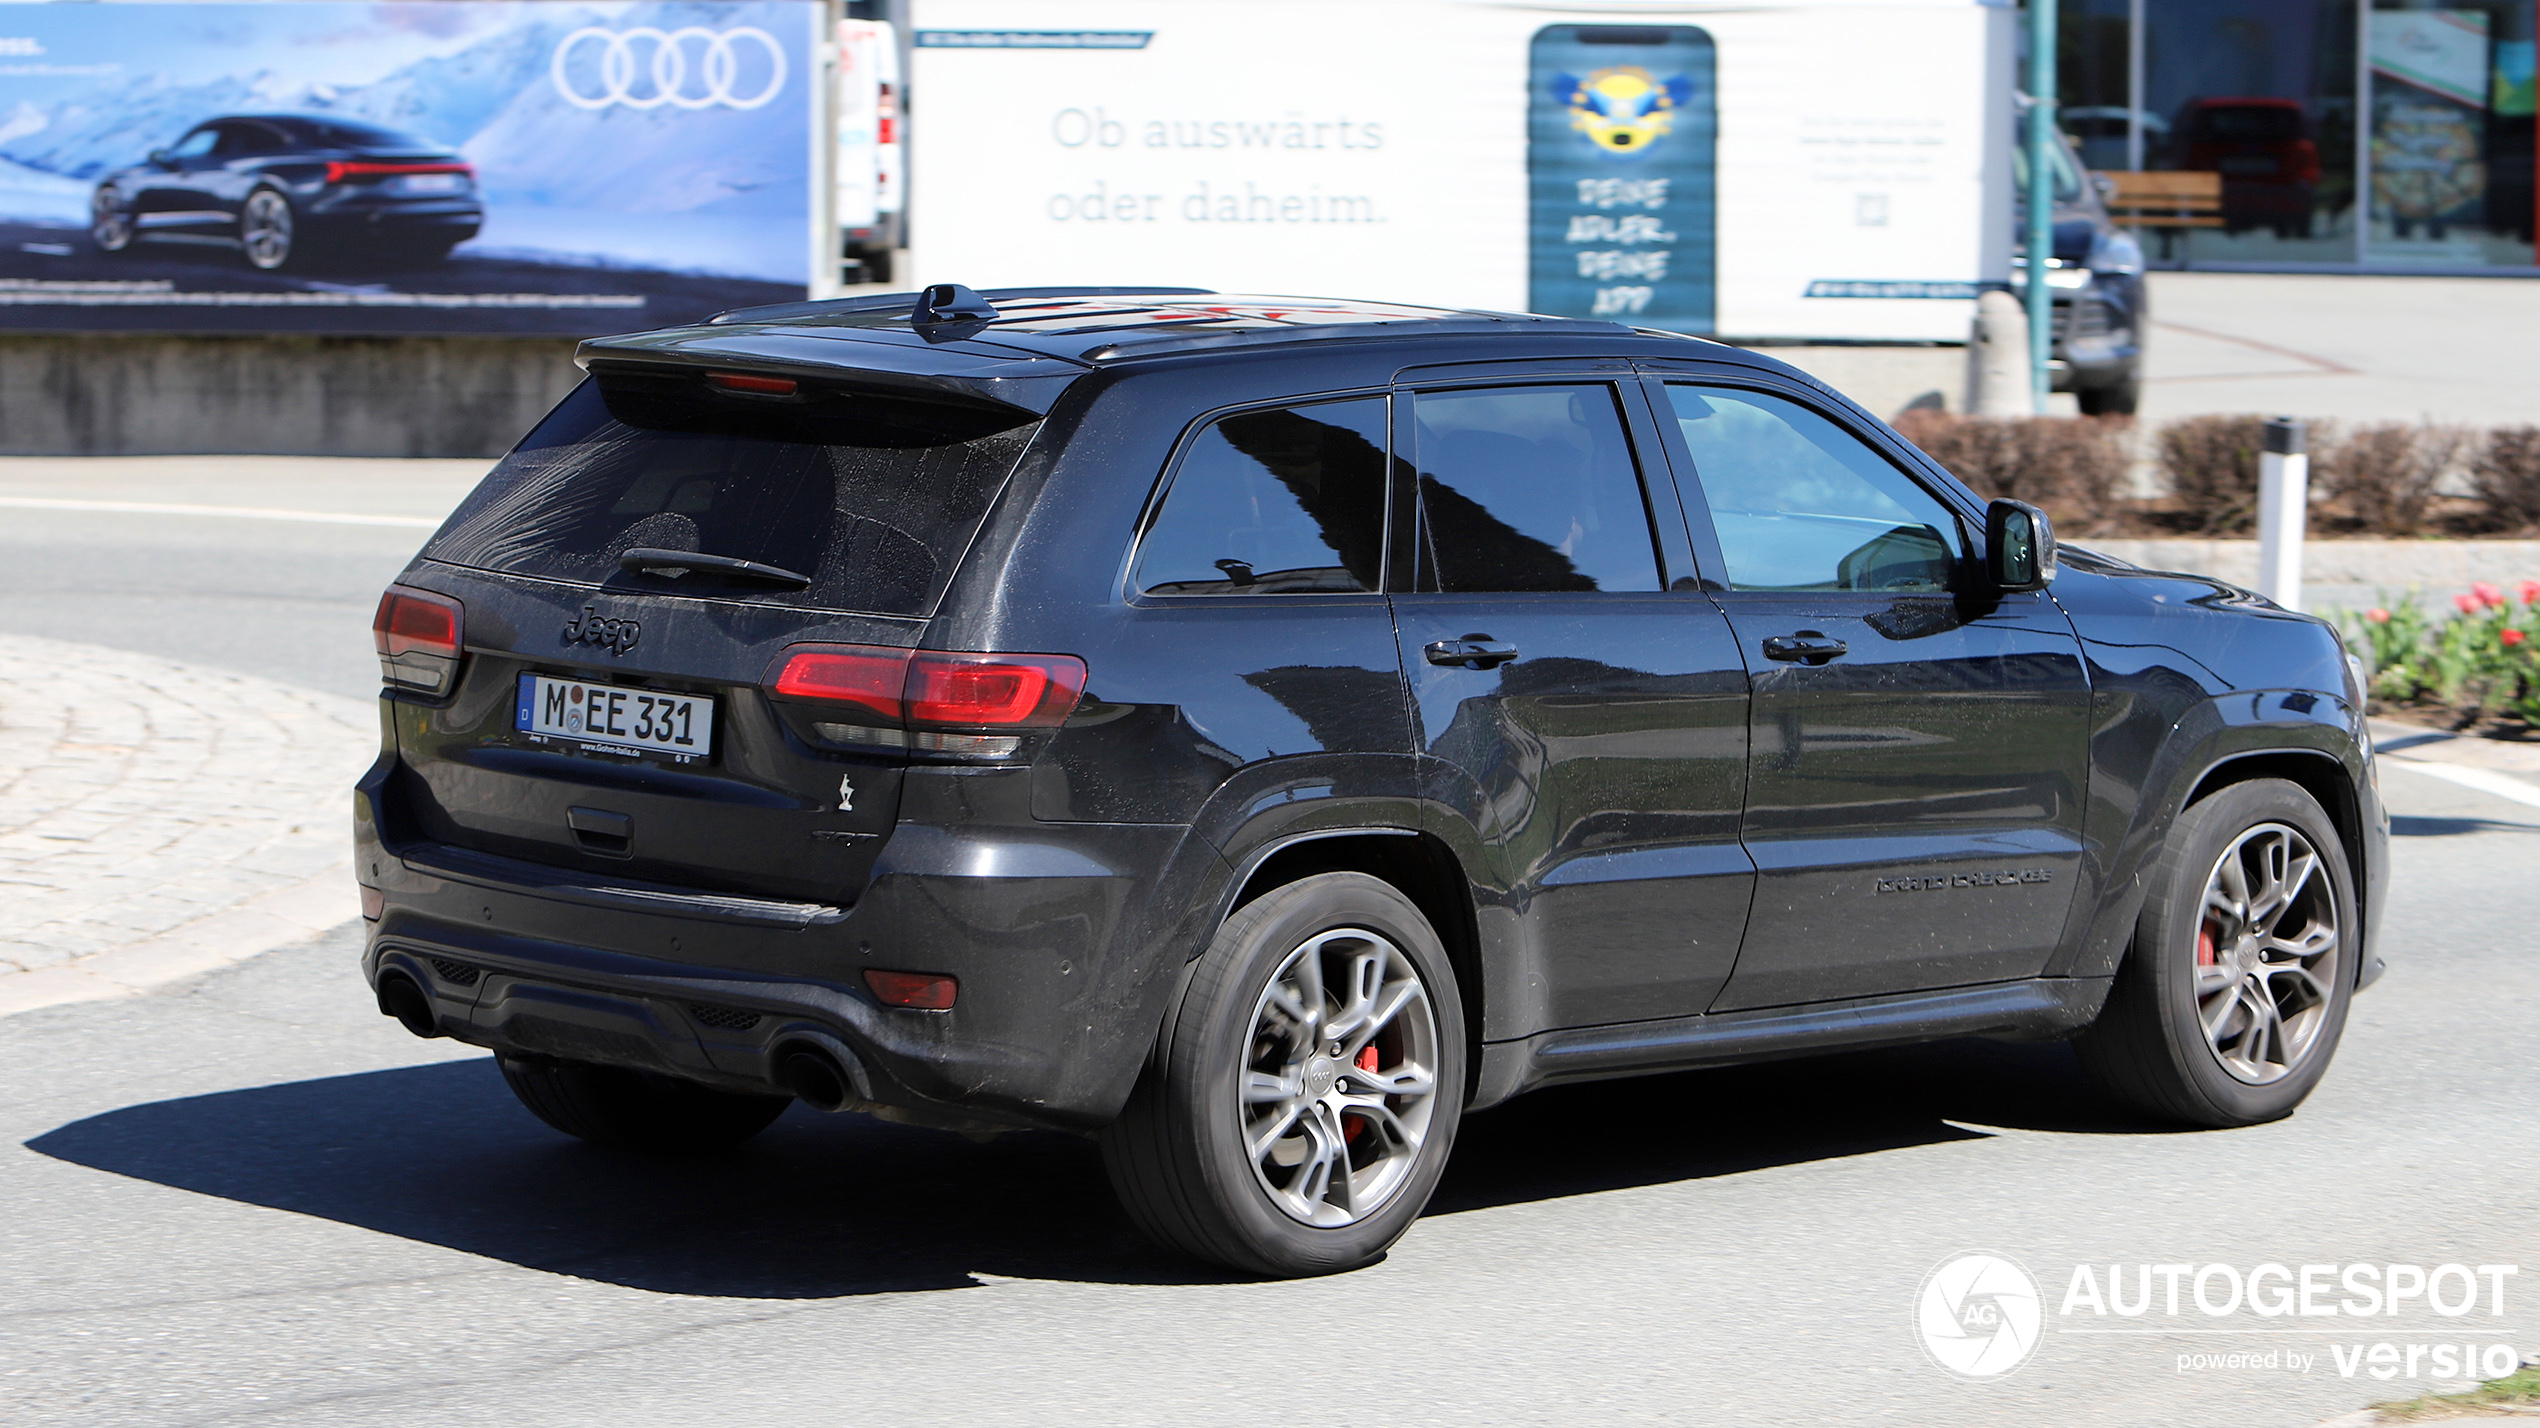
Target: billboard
553	168
1767	169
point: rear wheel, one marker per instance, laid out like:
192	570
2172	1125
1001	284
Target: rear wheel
638	1110
266	229
2231	1002
2115	399
1303	1096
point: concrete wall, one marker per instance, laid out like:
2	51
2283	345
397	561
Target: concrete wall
148	395
114	394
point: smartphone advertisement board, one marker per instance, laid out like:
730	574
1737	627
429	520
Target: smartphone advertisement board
1814	171
555	168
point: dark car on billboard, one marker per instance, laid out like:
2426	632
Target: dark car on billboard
287	188
2263	149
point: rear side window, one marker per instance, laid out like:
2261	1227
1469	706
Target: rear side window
1284	501
877	529
1530	489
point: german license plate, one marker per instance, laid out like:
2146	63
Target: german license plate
605	717
428	183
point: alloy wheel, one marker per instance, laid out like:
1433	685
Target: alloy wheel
264	229
1341	1082
108	223
2267	949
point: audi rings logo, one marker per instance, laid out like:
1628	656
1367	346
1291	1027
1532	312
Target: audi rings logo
688	68
1979	1315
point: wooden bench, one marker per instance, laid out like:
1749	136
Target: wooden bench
2168	200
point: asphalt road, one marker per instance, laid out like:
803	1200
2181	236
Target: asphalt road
252	1199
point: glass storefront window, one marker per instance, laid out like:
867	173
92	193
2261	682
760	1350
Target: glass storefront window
2396	135
2451	105
2261	92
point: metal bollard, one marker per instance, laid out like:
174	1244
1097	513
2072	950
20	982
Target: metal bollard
2284	496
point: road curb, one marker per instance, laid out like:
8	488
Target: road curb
299	913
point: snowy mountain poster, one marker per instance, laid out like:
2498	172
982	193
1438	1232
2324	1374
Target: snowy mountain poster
558	168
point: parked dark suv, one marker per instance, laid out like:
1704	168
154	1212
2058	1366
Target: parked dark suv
1258	732
280	187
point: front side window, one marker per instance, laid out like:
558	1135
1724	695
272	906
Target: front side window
196	144
1801	504
1290	500
1530	489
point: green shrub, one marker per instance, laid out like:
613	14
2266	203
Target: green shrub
2385	475
2506	474
2071	467
2212	466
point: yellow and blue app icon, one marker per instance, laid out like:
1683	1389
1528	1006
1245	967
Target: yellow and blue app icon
1621	164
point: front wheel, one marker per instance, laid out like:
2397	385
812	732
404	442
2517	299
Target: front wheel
108	225
2230	1004
638	1110
1302	1098
265	229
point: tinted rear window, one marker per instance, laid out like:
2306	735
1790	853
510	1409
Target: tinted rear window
878	529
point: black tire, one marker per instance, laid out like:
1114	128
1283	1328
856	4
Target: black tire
2115	399
269	231
2149	1048
638	1110
1177	1154
110	226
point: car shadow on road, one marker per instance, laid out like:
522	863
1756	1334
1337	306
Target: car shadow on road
830	1206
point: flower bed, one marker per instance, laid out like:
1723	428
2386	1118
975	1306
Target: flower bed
2479	665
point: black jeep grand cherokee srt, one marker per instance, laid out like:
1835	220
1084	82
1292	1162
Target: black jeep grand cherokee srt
1258	731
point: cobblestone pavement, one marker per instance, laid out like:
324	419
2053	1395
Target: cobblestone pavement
159	819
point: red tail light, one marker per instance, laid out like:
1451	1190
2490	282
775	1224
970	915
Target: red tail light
846	674
912	698
919	991
338	170
418	636
993	690
752	383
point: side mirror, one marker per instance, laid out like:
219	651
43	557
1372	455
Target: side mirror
2019	546
158	158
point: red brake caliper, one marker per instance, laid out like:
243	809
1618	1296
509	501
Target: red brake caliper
2205	955
1358	1124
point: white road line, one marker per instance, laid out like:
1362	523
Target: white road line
253	513
2484	780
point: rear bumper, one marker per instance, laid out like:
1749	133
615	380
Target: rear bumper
1063	940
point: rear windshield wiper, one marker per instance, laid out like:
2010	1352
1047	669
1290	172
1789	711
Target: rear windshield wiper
647	560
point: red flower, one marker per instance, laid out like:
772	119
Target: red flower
2467	603
2531	592
2511	638
2487	594
2377	615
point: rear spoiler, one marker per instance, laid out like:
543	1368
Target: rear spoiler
981	379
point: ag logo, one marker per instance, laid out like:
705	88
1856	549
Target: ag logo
1978	1315
593	628
1623	110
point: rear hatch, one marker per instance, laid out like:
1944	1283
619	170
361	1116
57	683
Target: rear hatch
632	576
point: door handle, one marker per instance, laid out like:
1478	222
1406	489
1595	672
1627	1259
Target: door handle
1807	647
1472	651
